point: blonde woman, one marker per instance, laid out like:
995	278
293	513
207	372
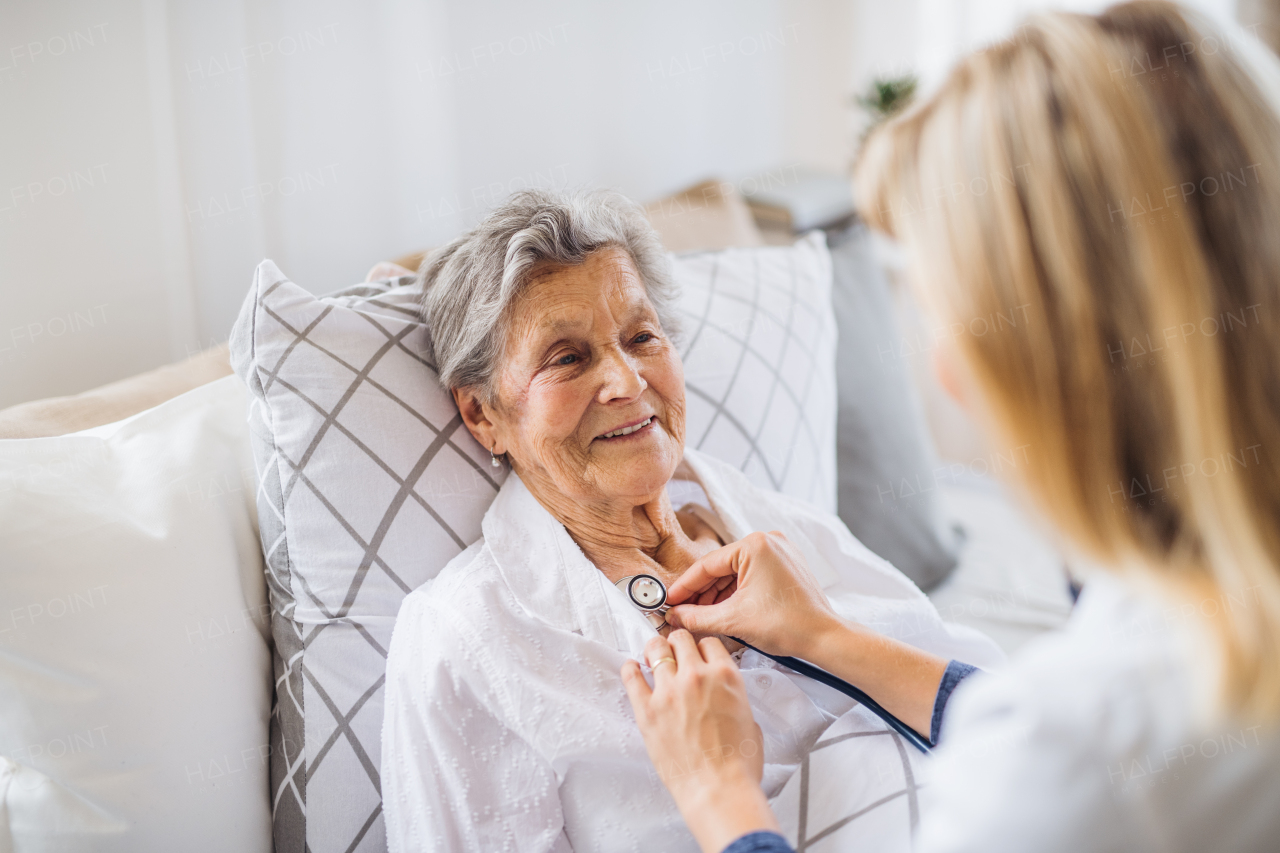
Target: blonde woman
1119	177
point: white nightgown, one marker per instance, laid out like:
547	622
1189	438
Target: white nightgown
507	726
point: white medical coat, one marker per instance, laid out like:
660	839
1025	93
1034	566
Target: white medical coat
1100	738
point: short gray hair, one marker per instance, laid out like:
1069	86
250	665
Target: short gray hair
470	284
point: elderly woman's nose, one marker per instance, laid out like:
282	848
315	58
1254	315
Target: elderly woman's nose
622	376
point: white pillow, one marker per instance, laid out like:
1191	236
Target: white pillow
135	683
371	484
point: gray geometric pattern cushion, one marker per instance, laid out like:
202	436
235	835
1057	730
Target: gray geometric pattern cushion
369	484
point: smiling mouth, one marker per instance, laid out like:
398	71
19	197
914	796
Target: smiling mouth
625	431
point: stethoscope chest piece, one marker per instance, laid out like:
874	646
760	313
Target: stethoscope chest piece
648	594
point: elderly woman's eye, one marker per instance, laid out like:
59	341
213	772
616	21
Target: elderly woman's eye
567	358
644	337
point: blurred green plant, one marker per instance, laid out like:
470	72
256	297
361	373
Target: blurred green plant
886	96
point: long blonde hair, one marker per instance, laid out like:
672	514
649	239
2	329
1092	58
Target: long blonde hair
1105	190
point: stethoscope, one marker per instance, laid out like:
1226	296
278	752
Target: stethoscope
649	595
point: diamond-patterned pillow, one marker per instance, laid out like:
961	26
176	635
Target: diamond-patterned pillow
759	364
370	484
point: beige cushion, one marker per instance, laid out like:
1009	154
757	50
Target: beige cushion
709	215
409	262
110	403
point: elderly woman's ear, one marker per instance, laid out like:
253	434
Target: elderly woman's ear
476	415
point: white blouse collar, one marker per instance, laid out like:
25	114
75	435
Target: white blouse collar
554	581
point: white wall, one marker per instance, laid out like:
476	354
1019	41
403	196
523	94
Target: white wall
152	153
84	230
327	136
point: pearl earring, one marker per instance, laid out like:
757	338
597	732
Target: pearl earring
494	459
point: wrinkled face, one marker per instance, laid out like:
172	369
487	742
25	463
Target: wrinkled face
586	359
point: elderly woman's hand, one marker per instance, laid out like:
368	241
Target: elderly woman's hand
700	734
757	589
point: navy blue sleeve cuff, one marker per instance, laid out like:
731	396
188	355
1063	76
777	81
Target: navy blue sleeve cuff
760	842
956	672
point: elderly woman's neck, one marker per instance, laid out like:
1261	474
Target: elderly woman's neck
624	538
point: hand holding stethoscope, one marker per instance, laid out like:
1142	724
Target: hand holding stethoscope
696	722
757	589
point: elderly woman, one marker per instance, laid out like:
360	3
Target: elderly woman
507	724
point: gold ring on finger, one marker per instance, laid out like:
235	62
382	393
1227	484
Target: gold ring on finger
660	661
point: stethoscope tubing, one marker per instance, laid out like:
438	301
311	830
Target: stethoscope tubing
820	675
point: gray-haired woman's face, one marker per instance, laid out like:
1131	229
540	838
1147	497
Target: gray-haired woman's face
586	359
